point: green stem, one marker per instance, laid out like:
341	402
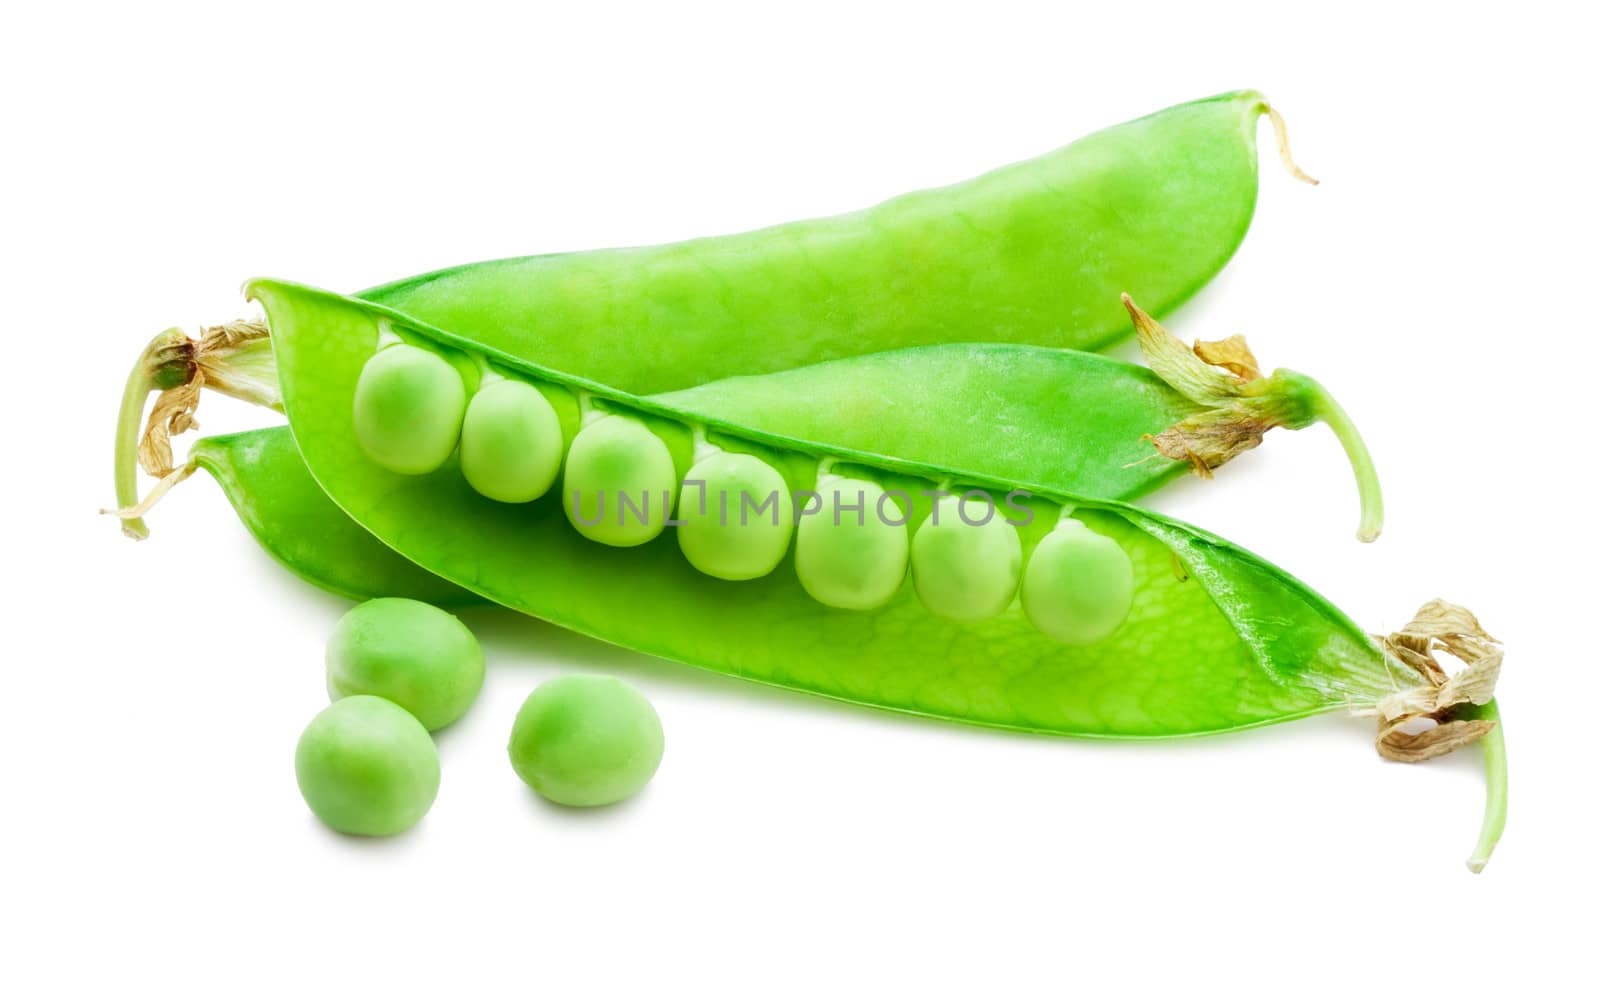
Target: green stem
146	376
1326	409
1494	768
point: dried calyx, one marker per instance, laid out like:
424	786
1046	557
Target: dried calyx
235	359
1444	699
1238	404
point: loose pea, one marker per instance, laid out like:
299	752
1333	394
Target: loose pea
1078	587
413	654
965	571
736	524
408	409
619	482
851	552
585	740
510	442
367	767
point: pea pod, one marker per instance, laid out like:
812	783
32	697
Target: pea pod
1035	252
1074	421
295	522
1215	639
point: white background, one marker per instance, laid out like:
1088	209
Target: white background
791	849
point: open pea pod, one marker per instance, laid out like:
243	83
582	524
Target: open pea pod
1034	252
1211	638
1070	421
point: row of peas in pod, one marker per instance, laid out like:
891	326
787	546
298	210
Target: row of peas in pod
735	505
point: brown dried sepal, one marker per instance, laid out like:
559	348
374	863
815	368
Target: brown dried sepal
1439	626
1400	745
233	359
1231	354
1210	439
1240	403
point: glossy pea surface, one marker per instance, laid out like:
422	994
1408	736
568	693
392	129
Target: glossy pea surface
852	552
1079	585
408	409
511	442
367	767
736	515
961	570
417	656
586	740
619	482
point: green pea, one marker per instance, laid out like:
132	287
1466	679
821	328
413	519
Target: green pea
413	654
619	482
408	409
367	767
1078	587
851	551
735	524
586	740
965	571
510	442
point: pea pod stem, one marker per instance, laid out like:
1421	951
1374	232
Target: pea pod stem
1280	132
1327	410
1495	780
234	359
145	377
1240	404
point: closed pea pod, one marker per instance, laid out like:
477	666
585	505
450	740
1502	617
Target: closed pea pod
1046	244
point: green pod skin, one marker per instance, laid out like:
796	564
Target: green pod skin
1219	640
1036	252
586	740
367	767
294	522
1074	421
